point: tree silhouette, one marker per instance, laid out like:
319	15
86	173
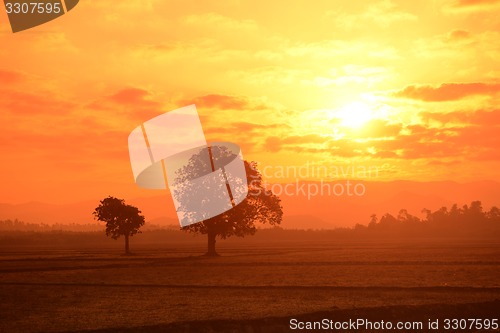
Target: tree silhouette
121	219
469	220
260	204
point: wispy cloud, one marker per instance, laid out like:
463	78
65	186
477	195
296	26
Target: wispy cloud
448	91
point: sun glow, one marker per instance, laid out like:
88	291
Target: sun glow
355	115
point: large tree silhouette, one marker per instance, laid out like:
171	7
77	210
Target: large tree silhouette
121	219
260	205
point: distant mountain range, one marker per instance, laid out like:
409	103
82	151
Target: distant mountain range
301	212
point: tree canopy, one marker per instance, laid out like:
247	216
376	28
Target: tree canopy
260	205
121	219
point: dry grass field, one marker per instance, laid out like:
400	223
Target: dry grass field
57	290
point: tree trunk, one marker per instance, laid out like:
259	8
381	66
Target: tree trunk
211	245
127	251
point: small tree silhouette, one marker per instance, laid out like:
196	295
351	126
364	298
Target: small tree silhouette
121	219
260	205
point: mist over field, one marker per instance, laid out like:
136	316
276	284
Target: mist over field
301	210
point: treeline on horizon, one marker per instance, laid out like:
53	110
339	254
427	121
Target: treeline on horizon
468	221
17	225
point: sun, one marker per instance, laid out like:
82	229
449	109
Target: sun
355	114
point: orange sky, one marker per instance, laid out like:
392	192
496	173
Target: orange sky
409	87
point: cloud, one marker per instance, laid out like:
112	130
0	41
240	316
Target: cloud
130	96
385	154
475	2
460	135
382	14
482	118
131	103
224	102
379	128
240	119
218	101
246	127
55	144
468	7
474	5
32	103
448	92
459	35
57	133
9	77
293	142
214	20
333	48
246	134
370	141
386	12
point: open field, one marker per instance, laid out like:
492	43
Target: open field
56	290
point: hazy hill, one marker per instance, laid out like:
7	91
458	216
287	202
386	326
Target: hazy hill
317	212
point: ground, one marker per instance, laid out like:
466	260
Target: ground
252	287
